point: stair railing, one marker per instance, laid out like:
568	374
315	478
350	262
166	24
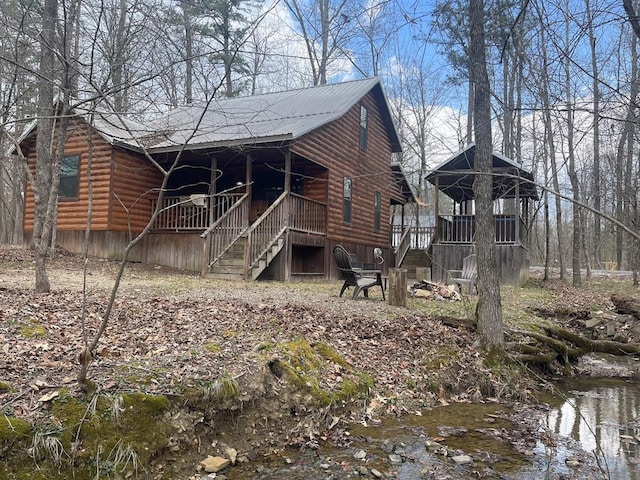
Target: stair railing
219	237
403	246
265	231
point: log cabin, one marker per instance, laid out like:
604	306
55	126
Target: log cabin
260	187
452	238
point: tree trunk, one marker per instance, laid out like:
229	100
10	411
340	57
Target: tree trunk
548	128
573	176
188	52
489	308
397	292
596	186
42	225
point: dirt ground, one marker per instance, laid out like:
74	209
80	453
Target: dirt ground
169	329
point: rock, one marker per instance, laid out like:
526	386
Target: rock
431	445
388	446
376	473
572	463
462	459
360	455
214	464
362	470
395	458
324	466
232	455
593	322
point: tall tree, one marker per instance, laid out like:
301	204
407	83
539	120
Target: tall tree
45	187
571	166
595	183
489	307
325	28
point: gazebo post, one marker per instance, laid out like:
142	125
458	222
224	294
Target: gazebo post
517	211
436	209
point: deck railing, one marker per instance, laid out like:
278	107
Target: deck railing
262	234
192	212
227	229
462	229
307	215
419	237
182	213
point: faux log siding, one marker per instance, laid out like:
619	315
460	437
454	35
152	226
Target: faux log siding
336	146
72	214
134	182
118	176
316	188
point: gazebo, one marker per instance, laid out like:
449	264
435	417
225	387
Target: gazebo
454	209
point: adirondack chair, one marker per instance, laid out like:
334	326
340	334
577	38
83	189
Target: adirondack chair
361	280
466	277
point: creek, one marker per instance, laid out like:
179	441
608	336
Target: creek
595	422
603	415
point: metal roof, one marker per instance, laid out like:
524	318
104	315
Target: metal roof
455	177
255	119
114	128
270	117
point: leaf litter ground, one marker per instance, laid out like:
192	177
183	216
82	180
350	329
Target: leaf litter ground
171	328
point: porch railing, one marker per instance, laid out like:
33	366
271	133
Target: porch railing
265	231
182	213
462	229
227	229
420	237
307	215
192	212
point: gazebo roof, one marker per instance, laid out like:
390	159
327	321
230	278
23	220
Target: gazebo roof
455	177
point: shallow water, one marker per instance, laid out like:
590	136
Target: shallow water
472	429
603	414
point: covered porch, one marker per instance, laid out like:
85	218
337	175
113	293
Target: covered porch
247	207
453	236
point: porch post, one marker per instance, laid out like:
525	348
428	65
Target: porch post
287	189
206	247
249	176
212	190
287	171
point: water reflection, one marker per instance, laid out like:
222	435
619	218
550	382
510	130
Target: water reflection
602	414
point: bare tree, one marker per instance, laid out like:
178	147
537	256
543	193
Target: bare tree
324	27
45	186
571	167
489	307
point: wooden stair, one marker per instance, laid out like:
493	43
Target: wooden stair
415	257
230	266
267	257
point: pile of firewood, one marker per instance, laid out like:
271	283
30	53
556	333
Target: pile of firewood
434	291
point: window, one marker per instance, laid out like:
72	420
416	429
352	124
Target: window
363	127
377	208
346	200
69	177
